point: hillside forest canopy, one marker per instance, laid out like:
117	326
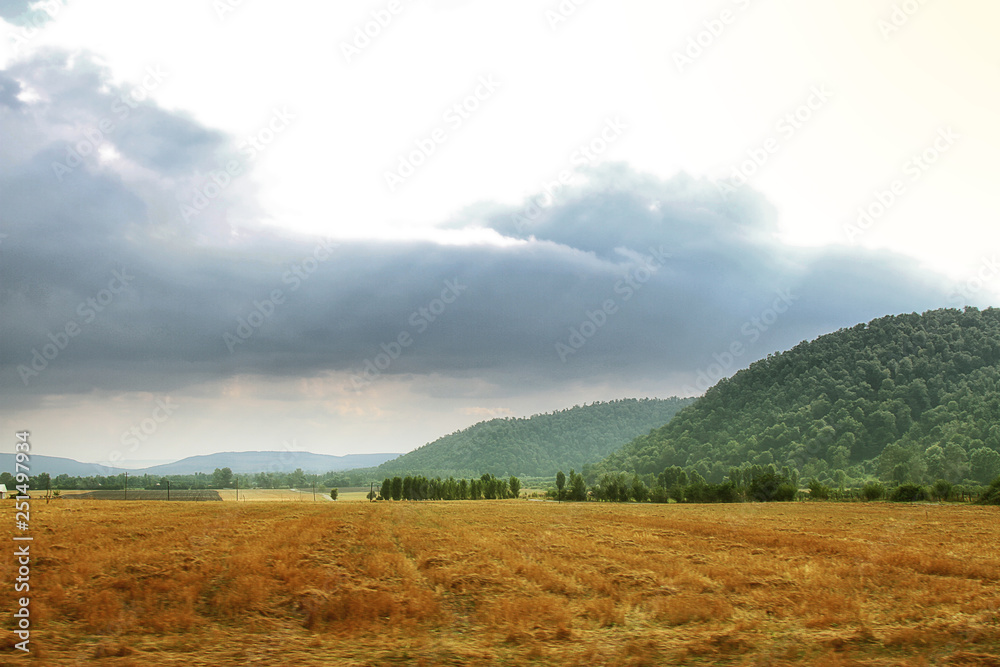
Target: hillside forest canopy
902	399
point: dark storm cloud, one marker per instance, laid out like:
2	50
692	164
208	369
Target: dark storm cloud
666	273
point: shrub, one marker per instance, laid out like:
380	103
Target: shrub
992	494
942	489
908	493
785	492
873	491
818	491
696	493
725	493
771	486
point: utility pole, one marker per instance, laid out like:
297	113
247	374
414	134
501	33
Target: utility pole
371	494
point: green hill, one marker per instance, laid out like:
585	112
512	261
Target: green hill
907	398
539	445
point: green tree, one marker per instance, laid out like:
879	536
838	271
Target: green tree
671	475
397	488
894	461
639	491
297	479
222	478
515	486
333	493
985	465
957	466
386	489
935	459
560	483
577	487
770	486
41	481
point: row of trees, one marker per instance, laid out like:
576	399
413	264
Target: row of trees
221	478
674	484
421	488
398	488
752	483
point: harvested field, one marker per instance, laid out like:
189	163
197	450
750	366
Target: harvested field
275	495
141	494
511	583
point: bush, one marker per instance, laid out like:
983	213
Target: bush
771	487
873	491
725	493
942	489
785	492
908	493
992	494
696	493
818	491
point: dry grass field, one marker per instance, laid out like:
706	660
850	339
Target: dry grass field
276	495
508	583
199	495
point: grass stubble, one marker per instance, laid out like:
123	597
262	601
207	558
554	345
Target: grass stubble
508	583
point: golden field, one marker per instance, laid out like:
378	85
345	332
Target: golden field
507	583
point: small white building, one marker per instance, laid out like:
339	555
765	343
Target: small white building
3	491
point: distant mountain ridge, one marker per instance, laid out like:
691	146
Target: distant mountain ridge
56	465
254	462
539	445
238	462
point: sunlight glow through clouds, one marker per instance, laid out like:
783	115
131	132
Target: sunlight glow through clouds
356	118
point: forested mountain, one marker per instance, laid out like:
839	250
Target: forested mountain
539	445
907	398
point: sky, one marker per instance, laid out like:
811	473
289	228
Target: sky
235	225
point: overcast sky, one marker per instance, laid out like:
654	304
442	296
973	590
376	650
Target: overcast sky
356	227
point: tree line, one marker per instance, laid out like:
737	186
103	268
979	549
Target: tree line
220	478
674	484
752	483
418	487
